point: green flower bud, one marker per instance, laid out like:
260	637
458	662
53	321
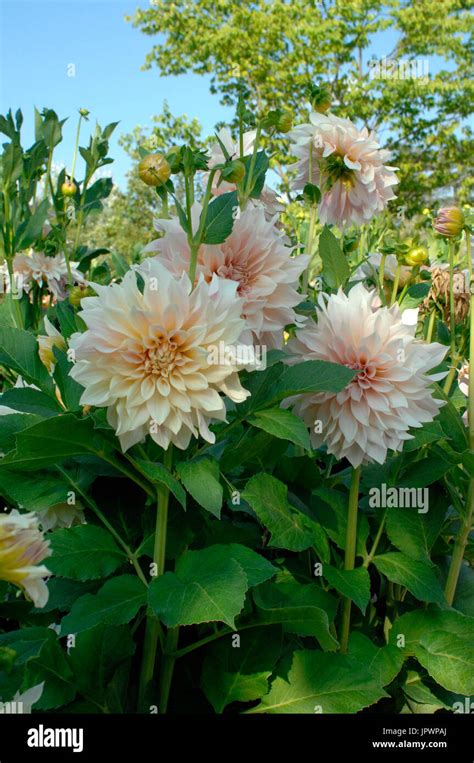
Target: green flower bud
68	188
234	172
320	98
417	256
154	170
84	112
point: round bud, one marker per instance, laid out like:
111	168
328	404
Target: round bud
285	122
234	172
68	188
320	97
84	112
417	256
79	292
154	170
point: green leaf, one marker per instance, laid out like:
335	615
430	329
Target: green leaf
449	659
26	642
424	472
322	683
30	229
311	376
330	507
259	171
201	480
85	552
302	609
220	218
97	654
383	662
336	270
52	667
11	424
256	567
408	630
243	671
451	423
116	603
207	586
289	527
418	577
56	439
430	432
69	389
38	494
19	352
68	320
30	400
283	424
354	584
159	473
414	533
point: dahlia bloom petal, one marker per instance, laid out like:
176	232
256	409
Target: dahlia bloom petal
347	164
391	392
159	361
22	547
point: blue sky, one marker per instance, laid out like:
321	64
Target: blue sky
40	38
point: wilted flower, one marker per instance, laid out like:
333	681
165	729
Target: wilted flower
146	357
61	515
47	343
22	547
390	393
46	271
255	257
347	164
449	222
439	293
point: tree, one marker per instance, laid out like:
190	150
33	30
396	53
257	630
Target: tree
272	51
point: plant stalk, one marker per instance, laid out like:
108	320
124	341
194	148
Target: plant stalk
349	558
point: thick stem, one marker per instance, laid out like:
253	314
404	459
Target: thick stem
466	526
349	558
395	284
153	627
429	333
167	668
452	325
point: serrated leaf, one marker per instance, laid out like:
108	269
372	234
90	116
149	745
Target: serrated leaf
354	584
85	552
116	603
52	667
414	532
336	270
311	376
220	218
30	400
207	586
288	527
159	473
244	671
383	662
26	642
418	577
19	352
449	659
283	424
201	479
319	682
97	654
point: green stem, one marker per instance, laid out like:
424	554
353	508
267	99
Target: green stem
248	184
381	279
167	668
153	626
466	525
395	284
350	552
309	244
429	333
76	147
376	542
452	325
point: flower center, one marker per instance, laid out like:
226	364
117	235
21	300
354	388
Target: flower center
160	360
336	169
235	273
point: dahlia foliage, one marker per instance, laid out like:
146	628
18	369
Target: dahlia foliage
238	465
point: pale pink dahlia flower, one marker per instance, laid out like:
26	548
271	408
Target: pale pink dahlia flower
347	164
46	271
390	394
22	548
159	360
255	257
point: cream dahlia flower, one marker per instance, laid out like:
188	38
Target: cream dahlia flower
268	199
347	164
159	360
391	392
22	548
254	257
51	272
61	515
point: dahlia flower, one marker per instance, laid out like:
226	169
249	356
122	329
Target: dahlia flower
47	343
46	271
449	222
22	547
268	199
347	164
255	257
146	357
61	515
390	393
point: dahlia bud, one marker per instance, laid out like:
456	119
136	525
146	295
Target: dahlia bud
417	256
68	188
79	292
285	122
84	112
449	222
234	172
154	170
175	159
320	98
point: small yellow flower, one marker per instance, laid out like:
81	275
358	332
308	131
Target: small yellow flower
22	547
